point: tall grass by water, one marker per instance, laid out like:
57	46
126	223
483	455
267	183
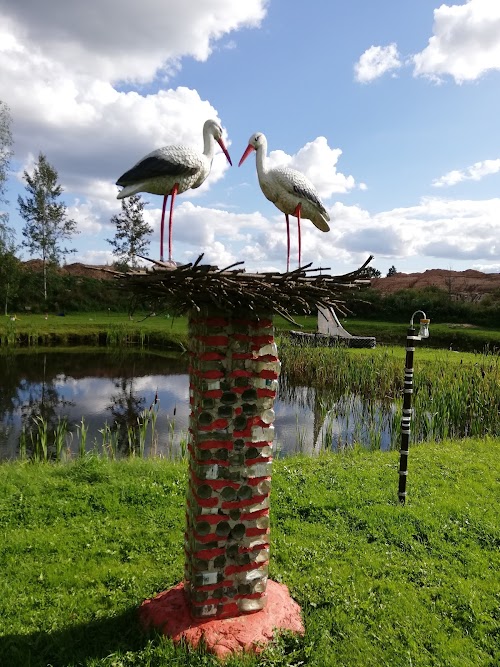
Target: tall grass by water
455	395
42	444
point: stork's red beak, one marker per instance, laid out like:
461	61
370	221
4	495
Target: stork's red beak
224	149
249	149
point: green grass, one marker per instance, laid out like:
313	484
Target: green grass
379	584
94	328
111	327
445	335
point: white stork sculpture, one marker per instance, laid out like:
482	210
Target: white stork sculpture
171	170
289	190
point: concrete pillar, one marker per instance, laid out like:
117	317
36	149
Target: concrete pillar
234	369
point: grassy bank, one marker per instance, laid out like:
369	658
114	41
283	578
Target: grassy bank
379	584
116	328
97	328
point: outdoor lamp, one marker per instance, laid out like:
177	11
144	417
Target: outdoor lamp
424	325
411	337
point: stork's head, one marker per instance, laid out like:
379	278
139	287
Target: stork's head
212	127
256	141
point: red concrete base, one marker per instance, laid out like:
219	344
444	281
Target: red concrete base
169	612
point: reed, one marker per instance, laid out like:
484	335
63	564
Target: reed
60	435
22	445
154	416
109	445
47	444
82	430
363	392
39	439
183	448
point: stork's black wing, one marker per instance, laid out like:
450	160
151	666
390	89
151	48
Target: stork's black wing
154	166
308	193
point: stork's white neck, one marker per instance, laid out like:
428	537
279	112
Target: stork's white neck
261	159
209	145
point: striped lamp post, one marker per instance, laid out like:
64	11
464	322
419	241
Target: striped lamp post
411	337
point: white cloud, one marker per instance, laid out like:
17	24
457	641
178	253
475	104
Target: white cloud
93	257
487	268
126	41
434	228
465	43
202	226
71	108
376	61
86	220
455	229
473	173
318	162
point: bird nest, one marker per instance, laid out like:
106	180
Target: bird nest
194	286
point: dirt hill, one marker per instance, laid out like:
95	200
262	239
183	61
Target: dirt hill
76	269
469	285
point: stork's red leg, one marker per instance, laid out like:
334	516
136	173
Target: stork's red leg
297	214
287	242
175	190
162	225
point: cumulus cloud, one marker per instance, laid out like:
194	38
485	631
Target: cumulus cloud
460	229
126	41
435	227
202	225
318	162
465	43
94	257
473	173
78	110
376	61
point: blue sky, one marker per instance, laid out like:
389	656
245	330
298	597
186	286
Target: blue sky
390	108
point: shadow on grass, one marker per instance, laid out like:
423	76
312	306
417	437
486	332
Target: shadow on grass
74	645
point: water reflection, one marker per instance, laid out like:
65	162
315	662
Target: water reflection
114	390
325	419
105	388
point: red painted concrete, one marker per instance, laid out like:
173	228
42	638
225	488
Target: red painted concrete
169	612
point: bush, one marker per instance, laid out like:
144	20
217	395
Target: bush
436	302
67	293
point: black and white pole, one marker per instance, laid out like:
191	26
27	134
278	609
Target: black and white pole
411	339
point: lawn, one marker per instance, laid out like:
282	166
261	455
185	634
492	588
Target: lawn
95	328
379	583
162	329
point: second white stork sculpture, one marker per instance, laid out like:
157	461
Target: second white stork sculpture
289	190
171	170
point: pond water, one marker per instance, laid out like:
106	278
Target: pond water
111	390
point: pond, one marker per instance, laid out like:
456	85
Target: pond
105	398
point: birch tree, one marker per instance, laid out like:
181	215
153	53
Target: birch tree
132	232
47	224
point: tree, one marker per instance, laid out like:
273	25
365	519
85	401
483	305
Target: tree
132	231
5	155
9	264
371	272
392	271
47	222
10	273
